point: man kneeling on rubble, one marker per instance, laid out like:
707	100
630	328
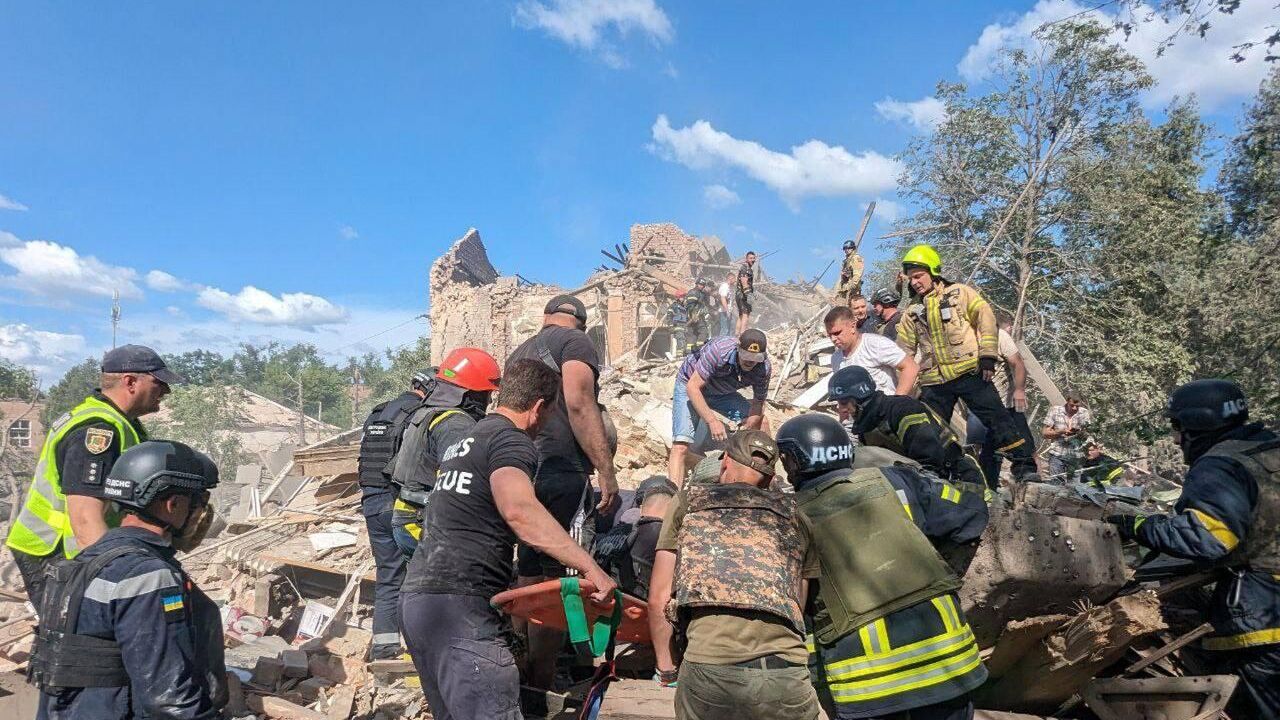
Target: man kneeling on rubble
901	423
1229	515
627	550
708	383
482	503
889	633
123	632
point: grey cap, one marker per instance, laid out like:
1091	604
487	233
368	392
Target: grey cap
567	304
140	359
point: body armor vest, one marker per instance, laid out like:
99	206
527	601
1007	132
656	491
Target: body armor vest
895	566
63	659
740	547
1261	548
414	468
381	438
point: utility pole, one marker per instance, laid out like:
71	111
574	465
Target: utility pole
355	393
115	316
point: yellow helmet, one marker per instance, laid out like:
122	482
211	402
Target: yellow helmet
922	256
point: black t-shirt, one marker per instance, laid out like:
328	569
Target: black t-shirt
466	546
558	449
85	455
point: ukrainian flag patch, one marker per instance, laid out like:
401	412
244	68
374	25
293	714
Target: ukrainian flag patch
173	607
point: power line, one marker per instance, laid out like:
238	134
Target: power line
420	316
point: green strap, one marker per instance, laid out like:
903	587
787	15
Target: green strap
594	640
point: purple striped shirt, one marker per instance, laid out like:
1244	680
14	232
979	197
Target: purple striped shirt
717	364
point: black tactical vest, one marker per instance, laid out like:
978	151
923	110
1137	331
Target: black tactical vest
382	438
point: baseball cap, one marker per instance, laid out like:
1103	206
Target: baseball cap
568	305
752	345
753	448
140	359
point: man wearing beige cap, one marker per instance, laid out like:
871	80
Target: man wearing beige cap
731	574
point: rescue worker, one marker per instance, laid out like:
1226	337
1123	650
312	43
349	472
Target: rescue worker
901	423
744	291
455	396
889	637
850	274
1099	469
378	445
678	322
626	551
954	330
698	308
730	575
64	510
1229	515
483	502
124	633
884	302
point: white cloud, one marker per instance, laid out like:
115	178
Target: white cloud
7	203
346	232
1190	65
719	197
49	354
924	114
299	310
887	210
584	23
53	270
162	281
812	168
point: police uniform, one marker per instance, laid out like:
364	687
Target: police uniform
919	434
888	632
168	660
1229	513
378	445
954	330
79	451
850	276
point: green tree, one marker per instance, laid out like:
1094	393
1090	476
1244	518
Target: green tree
207	419
1250	176
203	367
77	384
16	381
386	382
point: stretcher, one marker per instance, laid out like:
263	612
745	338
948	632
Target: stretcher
544	604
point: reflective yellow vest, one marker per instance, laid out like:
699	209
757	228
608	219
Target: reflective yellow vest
44	521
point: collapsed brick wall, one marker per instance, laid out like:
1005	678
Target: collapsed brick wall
461	308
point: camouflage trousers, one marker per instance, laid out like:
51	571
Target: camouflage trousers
730	692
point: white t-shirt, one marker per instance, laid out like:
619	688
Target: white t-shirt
879	355
724	294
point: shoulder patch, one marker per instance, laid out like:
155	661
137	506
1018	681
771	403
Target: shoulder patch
97	440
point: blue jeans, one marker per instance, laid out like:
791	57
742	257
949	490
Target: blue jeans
726	324
390	564
731	405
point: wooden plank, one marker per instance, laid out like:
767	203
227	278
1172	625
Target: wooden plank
866	220
1169	649
1040	376
367	576
281	709
613	338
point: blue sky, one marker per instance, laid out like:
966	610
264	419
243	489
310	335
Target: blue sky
257	171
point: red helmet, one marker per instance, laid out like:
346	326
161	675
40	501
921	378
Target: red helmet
470	368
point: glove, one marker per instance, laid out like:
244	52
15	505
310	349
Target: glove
987	364
1127	525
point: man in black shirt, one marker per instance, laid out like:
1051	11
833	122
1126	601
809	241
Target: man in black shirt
572	442
483	502
744	292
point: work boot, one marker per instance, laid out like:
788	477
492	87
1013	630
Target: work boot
390	651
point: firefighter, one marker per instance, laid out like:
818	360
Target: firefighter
455	396
954	330
889	635
1229	515
903	424
123	631
698	310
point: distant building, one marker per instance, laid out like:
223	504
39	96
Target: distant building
21	423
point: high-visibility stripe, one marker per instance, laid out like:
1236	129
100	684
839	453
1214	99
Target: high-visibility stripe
1243	640
913	679
940	645
436	420
1112	476
1217	529
906	504
909	422
949	493
104	591
391	638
